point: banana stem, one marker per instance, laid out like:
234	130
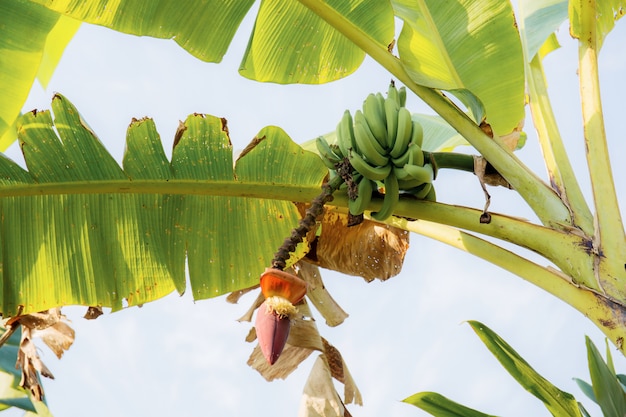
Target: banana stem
559	168
541	198
306	223
566	250
609	240
608	316
451	160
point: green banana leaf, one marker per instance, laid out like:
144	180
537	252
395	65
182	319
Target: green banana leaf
289	43
559	403
439	136
24	28
79	229
58	38
607	389
440	406
468	45
607	13
538	20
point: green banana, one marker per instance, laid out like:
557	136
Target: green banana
409	184
392	196
417	134
329	157
402	96
416	155
431	196
423	173
363	199
403	134
403	159
423	190
368	171
366	143
392	94
345	136
375	117
391	117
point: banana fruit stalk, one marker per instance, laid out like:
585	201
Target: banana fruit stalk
384	147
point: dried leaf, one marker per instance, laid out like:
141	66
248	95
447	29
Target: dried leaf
58	337
320	399
233	297
289	360
41	320
248	314
30	364
339	371
303	339
511	140
370	250
93	313
50	326
319	296
487	175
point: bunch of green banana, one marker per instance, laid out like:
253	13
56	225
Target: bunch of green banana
384	147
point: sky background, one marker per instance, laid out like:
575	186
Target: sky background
177	357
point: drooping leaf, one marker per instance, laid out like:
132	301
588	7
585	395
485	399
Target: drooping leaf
608	391
291	44
440	406
205	29
558	402
20	55
58	38
607	12
78	229
538	20
466	45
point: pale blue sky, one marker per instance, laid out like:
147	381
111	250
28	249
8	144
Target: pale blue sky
176	357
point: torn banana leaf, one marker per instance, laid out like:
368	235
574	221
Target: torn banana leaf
79	229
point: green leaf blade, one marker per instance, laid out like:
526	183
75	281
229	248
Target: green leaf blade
80	230
470	45
608	391
203	29
291	44
558	402
20	56
440	406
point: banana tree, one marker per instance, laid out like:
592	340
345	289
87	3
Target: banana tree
471	62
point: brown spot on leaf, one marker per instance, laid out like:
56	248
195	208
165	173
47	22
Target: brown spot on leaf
179	132
251	146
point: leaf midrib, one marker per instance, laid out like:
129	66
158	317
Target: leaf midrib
226	188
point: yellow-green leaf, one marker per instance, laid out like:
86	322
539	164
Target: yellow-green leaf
466	45
24	28
607	12
204	29
79	229
291	44
58	38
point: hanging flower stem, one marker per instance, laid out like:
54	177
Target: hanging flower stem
306	223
